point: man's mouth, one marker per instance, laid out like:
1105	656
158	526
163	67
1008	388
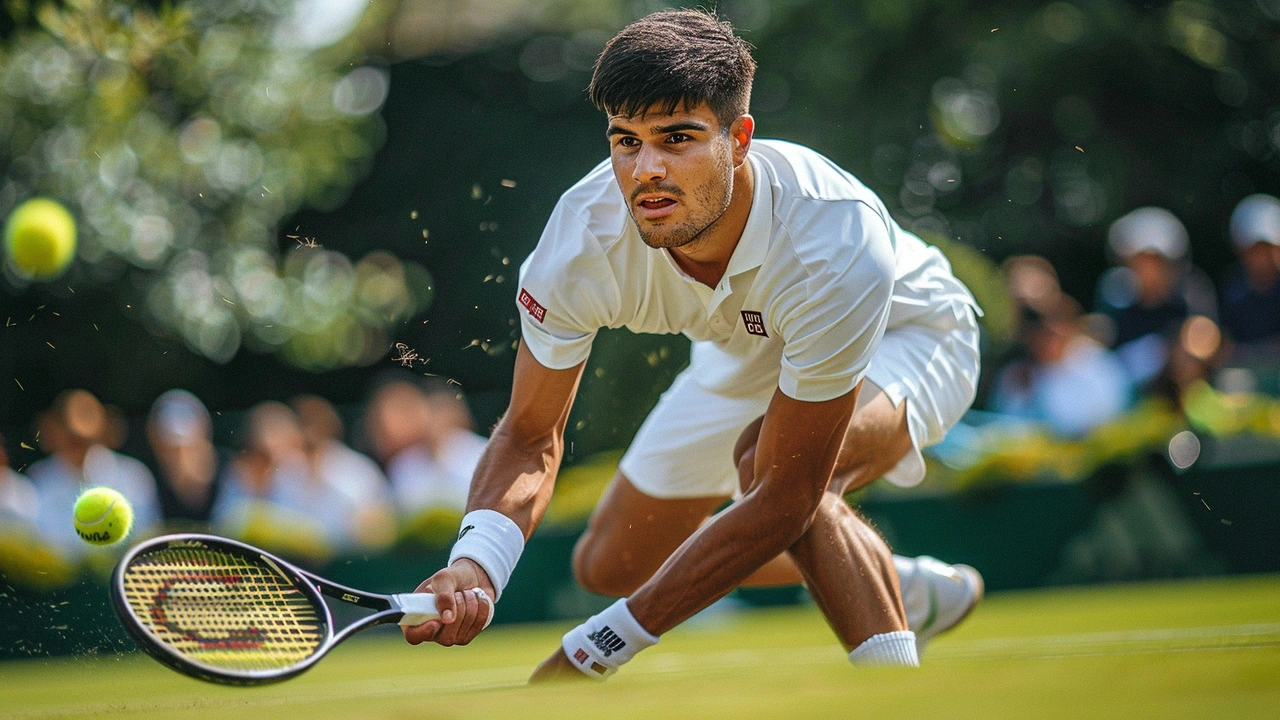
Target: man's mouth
654	207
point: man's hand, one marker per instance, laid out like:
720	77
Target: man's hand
462	613
557	668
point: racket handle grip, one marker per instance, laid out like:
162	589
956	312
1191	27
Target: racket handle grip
418	607
421	607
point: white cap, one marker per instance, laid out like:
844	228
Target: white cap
1256	219
1148	229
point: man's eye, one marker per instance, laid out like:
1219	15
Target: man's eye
678	138
628	141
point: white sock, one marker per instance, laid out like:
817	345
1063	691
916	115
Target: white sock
891	649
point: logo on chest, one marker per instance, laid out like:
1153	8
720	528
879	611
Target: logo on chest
754	322
536	311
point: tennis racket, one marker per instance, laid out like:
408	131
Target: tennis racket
227	612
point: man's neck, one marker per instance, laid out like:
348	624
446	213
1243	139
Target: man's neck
707	258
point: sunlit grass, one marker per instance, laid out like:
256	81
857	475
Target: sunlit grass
1204	648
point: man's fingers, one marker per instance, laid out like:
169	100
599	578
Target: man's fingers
444	586
472	622
473	615
487	608
425	632
480	608
454	633
464	611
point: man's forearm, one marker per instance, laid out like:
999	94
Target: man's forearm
516	479
716	559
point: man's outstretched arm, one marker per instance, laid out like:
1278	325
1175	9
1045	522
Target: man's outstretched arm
514	478
797	451
798	446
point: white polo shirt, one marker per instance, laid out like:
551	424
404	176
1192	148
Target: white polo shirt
820	272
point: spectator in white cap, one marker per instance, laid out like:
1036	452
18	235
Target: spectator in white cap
1153	289
180	433
1251	290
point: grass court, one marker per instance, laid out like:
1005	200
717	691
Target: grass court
1203	648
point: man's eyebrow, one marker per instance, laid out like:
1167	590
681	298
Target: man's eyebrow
660	129
678	127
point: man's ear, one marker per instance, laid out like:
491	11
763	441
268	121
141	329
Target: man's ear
741	132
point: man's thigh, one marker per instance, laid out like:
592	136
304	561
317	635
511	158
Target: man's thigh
631	534
927	369
877	439
684	449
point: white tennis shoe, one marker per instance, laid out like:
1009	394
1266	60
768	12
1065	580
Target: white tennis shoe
936	596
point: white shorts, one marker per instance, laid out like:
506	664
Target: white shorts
684	448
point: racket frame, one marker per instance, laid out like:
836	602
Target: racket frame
387	611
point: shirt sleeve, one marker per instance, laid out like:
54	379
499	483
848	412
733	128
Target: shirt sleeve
567	292
833	317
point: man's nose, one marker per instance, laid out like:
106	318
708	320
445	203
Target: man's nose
649	166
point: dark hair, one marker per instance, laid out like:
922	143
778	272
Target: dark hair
670	57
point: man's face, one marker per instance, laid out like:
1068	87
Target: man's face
1261	260
675	170
1155	275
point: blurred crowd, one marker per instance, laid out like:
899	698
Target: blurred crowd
1158	328
290	480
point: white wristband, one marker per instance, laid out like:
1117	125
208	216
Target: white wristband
494	542
599	646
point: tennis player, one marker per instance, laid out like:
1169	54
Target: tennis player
829	346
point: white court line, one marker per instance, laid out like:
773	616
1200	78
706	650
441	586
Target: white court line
658	662
1131	642
1118	642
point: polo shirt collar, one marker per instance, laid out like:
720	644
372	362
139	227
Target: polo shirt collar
751	249
754	244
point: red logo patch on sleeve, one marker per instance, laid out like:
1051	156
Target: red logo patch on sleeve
536	311
581	656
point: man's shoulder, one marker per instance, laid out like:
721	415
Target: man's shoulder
801	173
596	203
825	213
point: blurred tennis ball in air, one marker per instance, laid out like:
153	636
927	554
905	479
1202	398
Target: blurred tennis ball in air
102	516
40	239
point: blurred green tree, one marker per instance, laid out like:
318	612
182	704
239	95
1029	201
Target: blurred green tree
993	128
181	135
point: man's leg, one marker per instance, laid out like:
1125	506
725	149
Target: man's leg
876	440
935	596
631	534
845	563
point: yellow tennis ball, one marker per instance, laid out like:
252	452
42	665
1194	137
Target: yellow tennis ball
40	238
102	516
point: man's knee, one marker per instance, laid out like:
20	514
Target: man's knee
744	454
747	471
877	439
604	573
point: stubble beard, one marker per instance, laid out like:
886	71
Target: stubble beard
713	196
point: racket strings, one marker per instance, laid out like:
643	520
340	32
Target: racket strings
222	609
